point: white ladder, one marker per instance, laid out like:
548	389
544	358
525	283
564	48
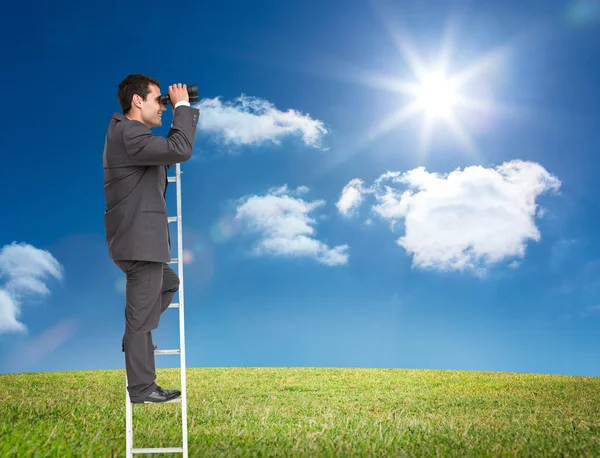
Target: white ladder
181	352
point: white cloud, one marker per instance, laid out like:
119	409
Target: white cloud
351	197
24	268
465	220
284	190
251	120
285	227
9	310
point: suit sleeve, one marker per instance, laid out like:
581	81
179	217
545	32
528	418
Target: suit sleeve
145	148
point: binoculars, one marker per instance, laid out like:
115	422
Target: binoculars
192	91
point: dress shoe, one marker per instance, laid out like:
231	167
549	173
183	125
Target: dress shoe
159	395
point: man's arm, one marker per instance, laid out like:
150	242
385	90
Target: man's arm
181	102
145	148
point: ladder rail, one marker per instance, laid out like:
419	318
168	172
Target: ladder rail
130	450
128	422
181	314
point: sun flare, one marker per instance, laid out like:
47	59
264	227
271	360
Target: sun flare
436	95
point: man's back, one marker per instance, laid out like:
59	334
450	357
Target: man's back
135	182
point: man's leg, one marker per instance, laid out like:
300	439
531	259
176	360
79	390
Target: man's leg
142	315
169	287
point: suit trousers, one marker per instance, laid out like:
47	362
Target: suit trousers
150	288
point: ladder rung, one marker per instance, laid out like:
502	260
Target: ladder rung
157	450
171	179
172	219
174	305
173	261
167	352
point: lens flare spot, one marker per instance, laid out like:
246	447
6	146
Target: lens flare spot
582	12
224	229
121	285
188	256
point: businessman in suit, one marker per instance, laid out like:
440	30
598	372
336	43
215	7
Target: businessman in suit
137	233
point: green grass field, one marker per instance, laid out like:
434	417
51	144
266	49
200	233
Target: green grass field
306	412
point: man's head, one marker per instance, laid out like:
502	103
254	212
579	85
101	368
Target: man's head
139	99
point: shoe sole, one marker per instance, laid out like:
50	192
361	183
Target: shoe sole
175	399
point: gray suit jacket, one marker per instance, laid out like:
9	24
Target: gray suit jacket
135	184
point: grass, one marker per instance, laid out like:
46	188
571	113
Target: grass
260	412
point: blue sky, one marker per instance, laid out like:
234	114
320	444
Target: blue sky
320	229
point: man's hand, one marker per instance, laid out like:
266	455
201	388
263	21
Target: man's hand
177	93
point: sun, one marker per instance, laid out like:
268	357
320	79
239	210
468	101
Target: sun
435	95
435	92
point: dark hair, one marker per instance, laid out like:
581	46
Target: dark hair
134	84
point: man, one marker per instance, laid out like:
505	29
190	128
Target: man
137	232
